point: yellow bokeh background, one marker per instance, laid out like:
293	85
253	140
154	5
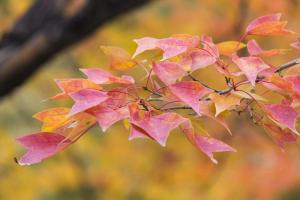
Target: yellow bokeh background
106	165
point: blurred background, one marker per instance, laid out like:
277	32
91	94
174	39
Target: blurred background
106	165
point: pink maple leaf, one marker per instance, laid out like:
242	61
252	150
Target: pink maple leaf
168	72
251	66
280	136
283	114
111	110
100	76
190	92
158	127
172	46
40	146
85	99
210	145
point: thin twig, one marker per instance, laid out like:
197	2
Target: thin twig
178	108
207	86
288	65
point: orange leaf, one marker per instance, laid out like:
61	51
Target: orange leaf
52	118
271	28
68	86
119	58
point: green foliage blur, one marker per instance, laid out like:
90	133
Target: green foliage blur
107	166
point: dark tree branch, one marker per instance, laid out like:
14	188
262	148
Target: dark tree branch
48	27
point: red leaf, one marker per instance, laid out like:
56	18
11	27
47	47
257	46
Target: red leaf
280	136
168	72
283	114
111	110
100	76
198	58
157	127
251	66
207	145
172	46
85	99
68	86
40	146
268	25
210	145
260	20
108	116
190	92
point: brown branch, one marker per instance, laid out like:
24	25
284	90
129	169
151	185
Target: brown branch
288	65
49	27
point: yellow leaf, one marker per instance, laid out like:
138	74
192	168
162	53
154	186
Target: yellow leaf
120	60
229	47
52	118
224	102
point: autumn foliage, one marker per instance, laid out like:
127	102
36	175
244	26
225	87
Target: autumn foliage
169	96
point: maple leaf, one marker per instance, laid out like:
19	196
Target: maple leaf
52	118
251	66
100	76
284	114
144	44
41	146
190	92
229	47
209	145
177	44
85	99
224	102
198	58
260	20
268	25
172	46
111	110
280	136
168	72
255	50
119	58
158	127
281	85
68	86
